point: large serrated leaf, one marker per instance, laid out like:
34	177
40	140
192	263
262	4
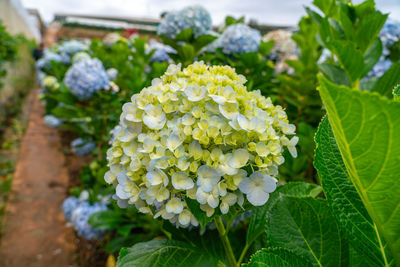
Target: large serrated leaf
307	227
366	127
260	214
164	252
343	198
276	257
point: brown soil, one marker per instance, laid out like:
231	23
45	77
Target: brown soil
35	232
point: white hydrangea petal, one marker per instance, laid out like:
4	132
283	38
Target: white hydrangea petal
155	123
180	180
109	177
212	201
269	184
239	158
207	177
184	217
201	196
246	186
258	197
229	110
173	141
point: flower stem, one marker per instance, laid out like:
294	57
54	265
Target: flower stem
225	241
242	255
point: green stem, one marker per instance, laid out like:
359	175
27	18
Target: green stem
225	241
242	255
356	84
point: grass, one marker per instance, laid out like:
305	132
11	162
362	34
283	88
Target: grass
13	121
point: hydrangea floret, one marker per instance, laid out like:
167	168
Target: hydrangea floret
197	134
86	77
161	51
82	147
79	56
195	17
50	82
52	121
112	73
238	39
72	47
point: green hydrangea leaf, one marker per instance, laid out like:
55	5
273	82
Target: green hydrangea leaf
260	214
334	73
164	252
343	198
276	257
200	215
350	58
307	227
366	127
388	81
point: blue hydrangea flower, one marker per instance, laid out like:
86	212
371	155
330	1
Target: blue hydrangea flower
161	51
65	58
69	205
81	147
389	34
86	77
52	121
195	17
112	73
72	47
239	39
40	76
79	56
45	61
80	220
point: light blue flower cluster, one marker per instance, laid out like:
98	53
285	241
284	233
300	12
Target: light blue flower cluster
48	57
78	212
86	77
82	147
72	47
238	39
195	17
389	34
161	51
112	73
52	121
70	204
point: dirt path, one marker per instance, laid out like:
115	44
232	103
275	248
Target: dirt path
34	232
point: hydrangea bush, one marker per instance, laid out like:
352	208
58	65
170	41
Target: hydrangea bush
197	134
78	211
196	18
86	77
284	48
238	39
48	57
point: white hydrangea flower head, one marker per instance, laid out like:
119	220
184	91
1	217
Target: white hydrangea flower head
197	134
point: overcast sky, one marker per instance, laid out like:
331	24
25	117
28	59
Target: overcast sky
279	12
